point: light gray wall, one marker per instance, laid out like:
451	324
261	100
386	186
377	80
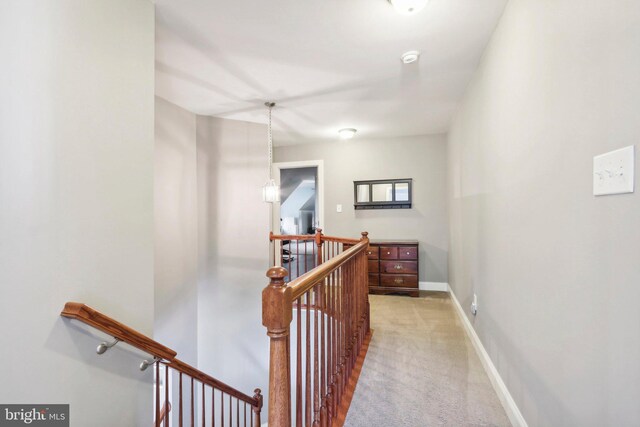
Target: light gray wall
233	251
176	230
422	158
76	202
555	268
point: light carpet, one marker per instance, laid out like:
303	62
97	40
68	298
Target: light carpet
421	369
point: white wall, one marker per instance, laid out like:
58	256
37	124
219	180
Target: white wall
423	158
76	207
176	230
555	268
233	252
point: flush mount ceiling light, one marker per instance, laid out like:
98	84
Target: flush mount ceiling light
347	133
411	56
408	7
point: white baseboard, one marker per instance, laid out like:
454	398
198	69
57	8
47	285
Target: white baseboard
514	414
434	286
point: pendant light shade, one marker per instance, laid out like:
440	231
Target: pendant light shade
270	190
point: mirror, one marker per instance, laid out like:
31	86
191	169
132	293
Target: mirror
382	192
362	194
402	191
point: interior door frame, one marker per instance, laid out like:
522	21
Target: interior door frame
275	216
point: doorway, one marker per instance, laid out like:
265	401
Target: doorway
301	206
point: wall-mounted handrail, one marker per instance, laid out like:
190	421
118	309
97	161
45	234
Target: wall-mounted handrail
238	405
86	314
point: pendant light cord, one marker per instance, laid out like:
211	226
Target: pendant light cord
270	105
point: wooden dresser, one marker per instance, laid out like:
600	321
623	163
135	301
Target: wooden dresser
393	267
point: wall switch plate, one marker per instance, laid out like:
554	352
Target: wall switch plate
338	208
613	172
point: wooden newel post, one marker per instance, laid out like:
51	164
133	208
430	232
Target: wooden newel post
277	307
318	239
257	408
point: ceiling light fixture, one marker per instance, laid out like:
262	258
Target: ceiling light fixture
408	7
347	133
411	56
270	190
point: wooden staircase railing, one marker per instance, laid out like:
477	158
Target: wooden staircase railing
201	399
331	309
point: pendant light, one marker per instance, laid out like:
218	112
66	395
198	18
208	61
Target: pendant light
270	190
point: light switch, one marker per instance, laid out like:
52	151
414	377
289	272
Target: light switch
338	208
613	172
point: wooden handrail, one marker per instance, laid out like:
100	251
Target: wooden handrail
332	301
305	282
310	237
167	357
189	370
86	314
164	414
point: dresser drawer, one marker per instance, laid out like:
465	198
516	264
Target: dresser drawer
399	267
374	267
398	280
374	279
409	252
388	252
372	252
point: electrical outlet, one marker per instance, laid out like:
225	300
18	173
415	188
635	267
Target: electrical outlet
338	208
474	305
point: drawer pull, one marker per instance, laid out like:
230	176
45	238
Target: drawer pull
398	267
408	253
369	253
388	253
398	281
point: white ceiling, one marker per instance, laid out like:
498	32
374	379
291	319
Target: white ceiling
328	64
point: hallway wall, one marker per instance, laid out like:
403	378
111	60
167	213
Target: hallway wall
555	268
176	230
422	158
212	243
76	204
233	252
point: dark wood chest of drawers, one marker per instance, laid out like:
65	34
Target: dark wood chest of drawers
393	267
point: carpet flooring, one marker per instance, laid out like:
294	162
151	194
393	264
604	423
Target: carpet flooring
421	369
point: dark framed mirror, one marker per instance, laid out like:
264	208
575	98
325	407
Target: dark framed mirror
382	194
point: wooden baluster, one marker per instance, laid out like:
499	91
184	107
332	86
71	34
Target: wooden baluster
203	408
330	349
230	412
237	412
166	396
221	408
305	256
180	400
255	422
157	393
245	414
299	362
193	407
323	355
313	257
316	371
297	259
213	407
307	379
276	316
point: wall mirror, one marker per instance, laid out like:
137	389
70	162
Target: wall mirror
382	194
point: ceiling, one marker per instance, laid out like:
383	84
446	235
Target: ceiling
328	64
